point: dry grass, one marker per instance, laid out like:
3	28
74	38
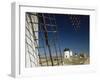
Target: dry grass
74	60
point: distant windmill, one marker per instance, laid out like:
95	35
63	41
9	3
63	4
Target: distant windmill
75	21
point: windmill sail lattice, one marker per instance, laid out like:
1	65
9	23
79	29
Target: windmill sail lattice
42	44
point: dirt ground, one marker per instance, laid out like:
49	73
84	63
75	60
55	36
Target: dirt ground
74	60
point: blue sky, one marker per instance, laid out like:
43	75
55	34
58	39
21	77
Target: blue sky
77	41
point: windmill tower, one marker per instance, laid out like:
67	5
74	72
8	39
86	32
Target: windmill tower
67	53
31	53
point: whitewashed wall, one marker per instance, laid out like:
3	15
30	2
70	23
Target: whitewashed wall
31	52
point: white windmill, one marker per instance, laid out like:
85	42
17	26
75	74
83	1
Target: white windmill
67	53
